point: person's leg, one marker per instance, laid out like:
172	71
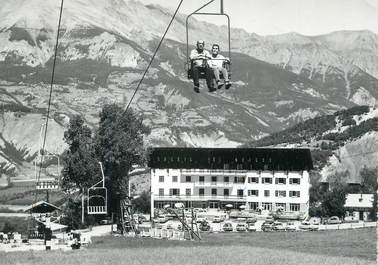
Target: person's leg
209	78
195	75
216	73
225	74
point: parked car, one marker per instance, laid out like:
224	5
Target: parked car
278	226
267	226
227	227
305	225
251	227
333	220
204	226
351	219
251	220
314	227
201	218
218	219
161	219
241	227
139	218
269	219
291	226
315	220
106	221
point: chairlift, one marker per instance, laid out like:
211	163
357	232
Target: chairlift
49	183
98	197
189	62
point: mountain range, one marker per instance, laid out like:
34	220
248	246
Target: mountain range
104	47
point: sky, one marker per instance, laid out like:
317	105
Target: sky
307	17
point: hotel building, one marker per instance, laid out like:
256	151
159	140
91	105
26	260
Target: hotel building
259	178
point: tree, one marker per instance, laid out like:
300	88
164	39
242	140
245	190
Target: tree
143	202
119	145
80	166
369	184
334	200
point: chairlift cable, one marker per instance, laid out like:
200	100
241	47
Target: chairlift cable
153	57
50	94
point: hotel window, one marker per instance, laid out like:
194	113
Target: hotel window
174	192
253	205
295	181
174	178
214	192
253	193
188	192
281	205
294	193
214	179
266	193
239	179
240	193
161	192
280	193
161	178
226	192
201	179
201	192
226	179
267	180
267	206
253	180
188	179
294	207
280	181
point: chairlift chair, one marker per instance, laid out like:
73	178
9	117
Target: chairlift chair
50	183
97	198
189	62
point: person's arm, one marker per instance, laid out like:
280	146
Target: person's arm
193	55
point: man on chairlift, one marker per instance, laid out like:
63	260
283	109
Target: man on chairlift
199	57
217	63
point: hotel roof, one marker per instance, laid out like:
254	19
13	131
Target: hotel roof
284	159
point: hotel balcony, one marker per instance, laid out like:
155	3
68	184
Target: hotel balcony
215	184
213	172
200	197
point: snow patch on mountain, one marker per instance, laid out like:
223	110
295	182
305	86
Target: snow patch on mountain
289	103
312	92
22	51
363	97
167	67
301	115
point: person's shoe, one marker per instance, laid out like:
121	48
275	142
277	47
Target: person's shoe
196	89
219	85
212	89
228	84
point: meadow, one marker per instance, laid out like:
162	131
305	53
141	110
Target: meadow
323	247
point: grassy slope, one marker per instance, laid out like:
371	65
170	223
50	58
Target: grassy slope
331	247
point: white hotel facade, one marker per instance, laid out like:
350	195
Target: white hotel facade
259	178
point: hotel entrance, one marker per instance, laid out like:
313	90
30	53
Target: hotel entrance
213	204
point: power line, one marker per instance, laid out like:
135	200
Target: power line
153	57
